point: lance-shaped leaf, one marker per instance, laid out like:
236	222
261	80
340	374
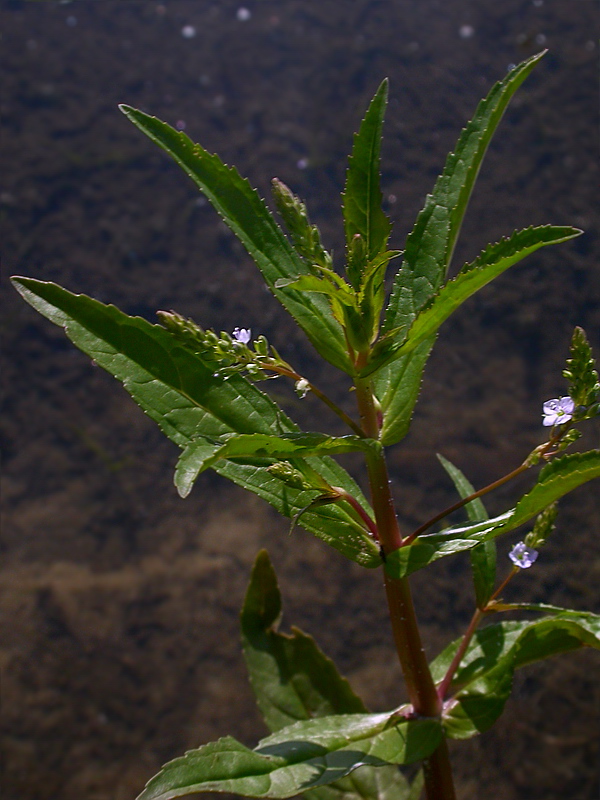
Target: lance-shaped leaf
199	456
493	261
294	680
363	214
483	681
299	757
291	677
180	393
430	244
555	480
249	218
483	556
429	248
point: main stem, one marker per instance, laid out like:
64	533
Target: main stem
419	683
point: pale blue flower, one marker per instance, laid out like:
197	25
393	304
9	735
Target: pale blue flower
523	556
558	411
242	335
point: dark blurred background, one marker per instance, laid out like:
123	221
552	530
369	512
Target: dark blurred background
119	644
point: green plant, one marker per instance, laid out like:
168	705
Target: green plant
199	386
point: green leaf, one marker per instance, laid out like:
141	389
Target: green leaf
483	556
249	218
370	783
199	456
299	757
493	261
483	681
180	393
291	677
363	214
428	252
555	480
173	385
430	245
335	287
397	387
293	680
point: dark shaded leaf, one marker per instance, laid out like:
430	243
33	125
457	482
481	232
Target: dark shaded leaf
291	677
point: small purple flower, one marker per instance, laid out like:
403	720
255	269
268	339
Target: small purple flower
523	556
242	335
558	411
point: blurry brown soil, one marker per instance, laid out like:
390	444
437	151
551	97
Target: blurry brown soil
119	640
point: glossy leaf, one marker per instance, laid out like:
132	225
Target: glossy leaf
179	392
483	681
363	215
297	758
483	556
555	480
199	456
249	218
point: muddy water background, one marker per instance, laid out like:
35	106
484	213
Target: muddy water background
119	601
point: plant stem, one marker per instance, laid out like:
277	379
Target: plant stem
458	656
419	683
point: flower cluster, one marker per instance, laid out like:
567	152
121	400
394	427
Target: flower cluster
227	353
